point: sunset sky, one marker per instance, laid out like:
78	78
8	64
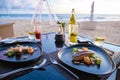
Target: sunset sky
65	6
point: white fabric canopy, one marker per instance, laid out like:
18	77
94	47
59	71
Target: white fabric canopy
92	11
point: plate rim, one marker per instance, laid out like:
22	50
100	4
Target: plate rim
26	61
110	58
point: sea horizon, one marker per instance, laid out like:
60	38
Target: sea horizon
60	16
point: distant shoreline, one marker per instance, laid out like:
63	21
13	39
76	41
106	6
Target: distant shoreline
61	17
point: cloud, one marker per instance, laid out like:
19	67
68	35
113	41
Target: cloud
65	6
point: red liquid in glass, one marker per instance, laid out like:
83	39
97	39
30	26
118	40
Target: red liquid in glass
38	34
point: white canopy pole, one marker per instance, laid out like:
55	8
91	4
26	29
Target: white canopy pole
39	7
54	14
50	15
36	10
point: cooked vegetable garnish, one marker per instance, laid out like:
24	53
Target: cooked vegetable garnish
30	50
84	48
10	53
85	56
75	50
98	61
87	60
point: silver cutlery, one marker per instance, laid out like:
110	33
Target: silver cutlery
56	63
13	40
42	63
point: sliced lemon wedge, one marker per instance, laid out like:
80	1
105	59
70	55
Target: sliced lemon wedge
31	32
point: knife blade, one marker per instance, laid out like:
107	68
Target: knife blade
18	72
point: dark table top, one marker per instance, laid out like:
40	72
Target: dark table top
54	72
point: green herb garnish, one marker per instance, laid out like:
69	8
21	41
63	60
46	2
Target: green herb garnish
75	50
10	53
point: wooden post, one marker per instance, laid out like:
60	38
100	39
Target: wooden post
6	30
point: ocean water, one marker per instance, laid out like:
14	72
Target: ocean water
62	17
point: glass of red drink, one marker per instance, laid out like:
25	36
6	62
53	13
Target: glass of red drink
38	35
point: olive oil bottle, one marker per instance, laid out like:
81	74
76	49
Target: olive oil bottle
72	28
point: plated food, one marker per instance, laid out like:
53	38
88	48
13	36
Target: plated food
85	56
19	50
104	65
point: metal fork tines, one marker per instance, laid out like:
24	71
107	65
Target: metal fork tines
55	62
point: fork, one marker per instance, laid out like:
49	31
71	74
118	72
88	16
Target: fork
56	63
21	70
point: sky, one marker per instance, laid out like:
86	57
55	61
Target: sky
65	6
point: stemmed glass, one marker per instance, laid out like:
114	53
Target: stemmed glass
60	35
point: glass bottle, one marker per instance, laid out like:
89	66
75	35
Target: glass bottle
73	28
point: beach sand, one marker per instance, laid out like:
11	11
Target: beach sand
110	28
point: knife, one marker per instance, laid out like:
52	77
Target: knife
18	72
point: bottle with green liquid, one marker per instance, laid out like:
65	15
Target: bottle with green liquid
72	28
